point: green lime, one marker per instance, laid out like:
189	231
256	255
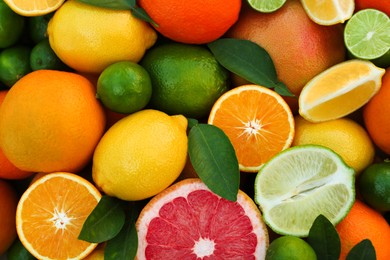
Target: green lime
11	26
266	6
124	87
290	248
14	64
374	186
367	34
43	57
37	27
18	252
300	183
186	79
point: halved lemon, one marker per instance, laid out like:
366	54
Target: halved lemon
329	12
34	7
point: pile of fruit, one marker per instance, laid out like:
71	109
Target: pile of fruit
203	129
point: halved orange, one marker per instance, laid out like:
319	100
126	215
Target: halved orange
34	7
340	90
329	12
258	122
51	213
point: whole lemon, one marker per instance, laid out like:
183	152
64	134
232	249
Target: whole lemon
89	38
141	155
344	136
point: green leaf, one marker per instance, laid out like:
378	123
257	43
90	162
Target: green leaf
282	90
140	13
192	122
362	251
105	221
248	60
125	244
214	160
112	4
324	239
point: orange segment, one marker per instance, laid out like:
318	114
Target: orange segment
50	215
329	12
258	122
34	7
339	90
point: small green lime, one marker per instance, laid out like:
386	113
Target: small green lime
290	248
37	27
14	64
43	57
186	79
18	252
374	186
266	6
124	87
11	26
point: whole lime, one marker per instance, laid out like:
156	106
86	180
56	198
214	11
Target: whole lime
374	186
186	79
37	27
11	26
290	248
124	87
43	57
14	64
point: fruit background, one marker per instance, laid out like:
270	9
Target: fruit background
176	129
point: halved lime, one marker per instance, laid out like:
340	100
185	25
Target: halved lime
367	34
299	184
266	6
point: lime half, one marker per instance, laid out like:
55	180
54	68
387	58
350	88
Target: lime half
299	184
266	6
367	34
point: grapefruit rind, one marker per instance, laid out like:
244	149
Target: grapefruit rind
301	183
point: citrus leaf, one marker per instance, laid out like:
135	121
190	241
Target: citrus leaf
324	239
282	90
105	221
140	13
364	250
213	157
112	4
192	122
125	244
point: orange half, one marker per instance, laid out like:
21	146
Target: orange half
51	213
258	122
329	12
34	7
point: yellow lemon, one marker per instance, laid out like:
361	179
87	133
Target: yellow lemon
89	38
344	136
141	155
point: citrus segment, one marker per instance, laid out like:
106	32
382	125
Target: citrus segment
188	221
266	6
34	7
50	215
299	184
329	12
258	122
339	90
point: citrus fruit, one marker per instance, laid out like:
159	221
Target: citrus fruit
300	183
7	169
374	186
290	247
186	79
340	90
34	7
43	57
363	222
329	12
257	121
381	5
8	202
367	34
195	22
124	87
266	6
98	37
14	64
286	34
376	115
18	252
97	253
51	121
37	27
51	213
146	151
11	26
188	221
344	136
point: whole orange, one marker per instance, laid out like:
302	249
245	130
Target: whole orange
51	121
7	169
8	203
381	5
362	222
376	115
196	21
299	48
